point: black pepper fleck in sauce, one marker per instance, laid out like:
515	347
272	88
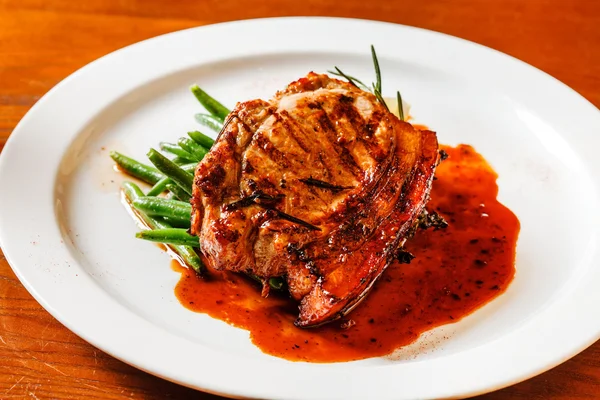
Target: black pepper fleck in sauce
455	271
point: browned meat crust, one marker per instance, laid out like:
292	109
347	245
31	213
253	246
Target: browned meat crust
321	185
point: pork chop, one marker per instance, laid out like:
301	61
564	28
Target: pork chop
320	185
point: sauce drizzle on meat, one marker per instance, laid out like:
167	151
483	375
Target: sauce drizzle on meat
456	271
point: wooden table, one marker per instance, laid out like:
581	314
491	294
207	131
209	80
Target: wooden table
42	41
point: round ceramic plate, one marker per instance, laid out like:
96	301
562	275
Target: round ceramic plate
71	242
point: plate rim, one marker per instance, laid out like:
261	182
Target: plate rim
16	260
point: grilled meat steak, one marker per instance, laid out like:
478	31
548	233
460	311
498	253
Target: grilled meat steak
321	184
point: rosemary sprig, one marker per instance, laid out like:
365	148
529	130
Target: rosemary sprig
377	85
291	218
268	202
381	100
400	110
354	81
324	185
264	199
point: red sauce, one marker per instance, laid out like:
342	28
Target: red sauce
456	271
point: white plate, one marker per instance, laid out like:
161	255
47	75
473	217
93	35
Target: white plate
71	243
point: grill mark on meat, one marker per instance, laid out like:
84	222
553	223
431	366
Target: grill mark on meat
280	128
328	127
359	203
300	255
290	161
323	197
273	182
368	131
297	133
265	145
284	118
246	132
352	120
345	108
247	167
371	126
267	186
254	113
325	165
330	173
324	126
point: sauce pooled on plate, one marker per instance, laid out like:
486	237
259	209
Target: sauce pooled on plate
455	271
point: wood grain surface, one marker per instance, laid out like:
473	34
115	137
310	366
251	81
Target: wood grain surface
43	41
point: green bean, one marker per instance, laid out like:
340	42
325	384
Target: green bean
182	178
176	223
178	151
159	187
201	139
209	121
192	147
136	169
180	161
212	106
131	191
275	282
189	256
169	236
157	206
189	167
179	192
